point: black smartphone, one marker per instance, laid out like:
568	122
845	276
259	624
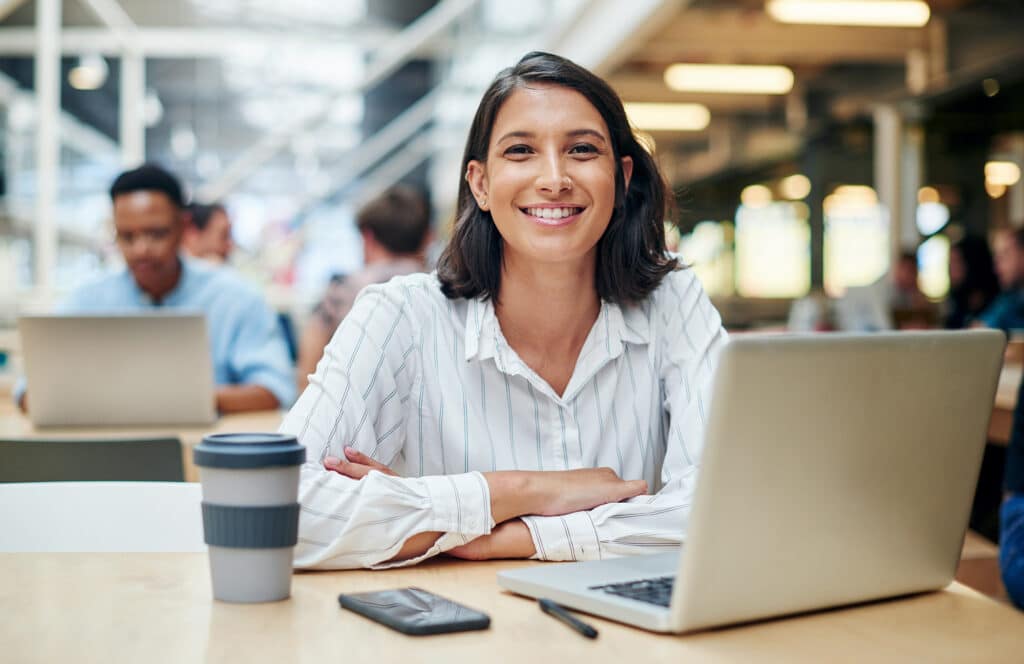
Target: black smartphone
415	611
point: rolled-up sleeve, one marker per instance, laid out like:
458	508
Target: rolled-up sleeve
689	343
358	398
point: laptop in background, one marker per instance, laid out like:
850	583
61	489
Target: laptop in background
837	469
117	370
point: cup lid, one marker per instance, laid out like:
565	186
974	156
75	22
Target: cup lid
248	451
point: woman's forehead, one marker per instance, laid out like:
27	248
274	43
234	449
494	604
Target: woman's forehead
546	108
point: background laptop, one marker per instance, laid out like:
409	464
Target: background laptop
145	369
836	469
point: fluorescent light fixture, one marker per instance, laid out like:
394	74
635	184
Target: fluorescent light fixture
1005	173
668	117
878	13
89	74
737	79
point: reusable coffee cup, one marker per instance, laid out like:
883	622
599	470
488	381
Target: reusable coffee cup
250	512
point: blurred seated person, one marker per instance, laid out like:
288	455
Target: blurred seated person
1011	518
395	228
911	308
1007	311
973	284
250	360
208	232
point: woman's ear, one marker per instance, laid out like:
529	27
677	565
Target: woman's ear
627	170
476	176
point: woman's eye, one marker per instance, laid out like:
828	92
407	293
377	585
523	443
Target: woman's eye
518	150
583	148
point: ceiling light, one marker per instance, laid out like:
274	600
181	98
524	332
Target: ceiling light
1005	173
880	13
928	195
795	187
668	117
183	141
994	190
756	196
89	74
738	79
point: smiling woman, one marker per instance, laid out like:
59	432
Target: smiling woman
543	394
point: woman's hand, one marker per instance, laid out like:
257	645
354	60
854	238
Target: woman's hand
355	465
508	540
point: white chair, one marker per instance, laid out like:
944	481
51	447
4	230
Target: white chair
101	517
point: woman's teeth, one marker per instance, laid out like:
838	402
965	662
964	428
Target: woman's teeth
553	213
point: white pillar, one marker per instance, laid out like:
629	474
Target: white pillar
47	81
132	100
888	140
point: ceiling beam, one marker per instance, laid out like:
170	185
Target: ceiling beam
182	42
751	37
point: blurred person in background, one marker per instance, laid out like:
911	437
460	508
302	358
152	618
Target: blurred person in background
208	232
973	284
250	360
906	294
395	229
911	309
1011	516
1007	311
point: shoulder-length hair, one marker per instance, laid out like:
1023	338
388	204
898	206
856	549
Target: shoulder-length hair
631	255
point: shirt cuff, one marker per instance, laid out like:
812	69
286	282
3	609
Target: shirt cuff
568	537
460	504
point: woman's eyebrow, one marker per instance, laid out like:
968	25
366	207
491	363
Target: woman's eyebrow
575	133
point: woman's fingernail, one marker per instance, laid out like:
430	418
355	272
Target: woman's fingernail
331	461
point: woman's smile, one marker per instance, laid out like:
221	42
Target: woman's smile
553	215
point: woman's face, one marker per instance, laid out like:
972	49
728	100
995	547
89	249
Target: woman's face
549	179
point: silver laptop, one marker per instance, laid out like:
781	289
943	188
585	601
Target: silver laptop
836	469
118	370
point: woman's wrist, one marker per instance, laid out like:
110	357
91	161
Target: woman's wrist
513	494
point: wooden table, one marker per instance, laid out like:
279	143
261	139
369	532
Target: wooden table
14	424
157	608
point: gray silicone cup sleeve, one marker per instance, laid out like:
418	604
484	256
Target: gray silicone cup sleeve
243	527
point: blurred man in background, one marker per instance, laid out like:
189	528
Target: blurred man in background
395	228
208	232
250	360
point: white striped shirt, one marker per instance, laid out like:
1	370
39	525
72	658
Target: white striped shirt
430	387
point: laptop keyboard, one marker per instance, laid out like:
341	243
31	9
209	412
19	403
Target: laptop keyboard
654	591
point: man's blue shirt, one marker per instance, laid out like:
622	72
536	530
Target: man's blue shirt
1006	313
246	343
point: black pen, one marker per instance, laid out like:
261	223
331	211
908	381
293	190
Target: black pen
552	609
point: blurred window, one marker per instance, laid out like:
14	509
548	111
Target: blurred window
773	250
933	266
708	250
856	239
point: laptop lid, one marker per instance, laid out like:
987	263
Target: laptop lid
837	469
117	370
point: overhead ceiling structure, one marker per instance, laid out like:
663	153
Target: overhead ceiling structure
290	102
839	73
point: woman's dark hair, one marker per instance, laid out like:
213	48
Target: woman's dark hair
980	285
631	255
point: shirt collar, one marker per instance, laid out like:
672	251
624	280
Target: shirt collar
188	269
614	327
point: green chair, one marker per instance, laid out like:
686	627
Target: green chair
64	460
